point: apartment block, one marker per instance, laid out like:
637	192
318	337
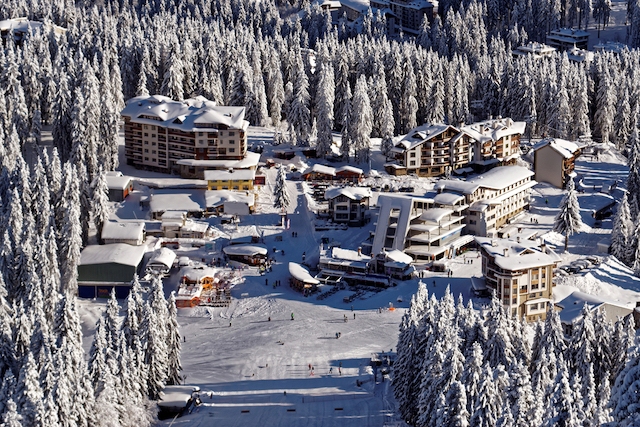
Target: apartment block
160	132
493	199
433	150
520	272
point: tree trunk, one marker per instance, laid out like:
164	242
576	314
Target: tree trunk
566	242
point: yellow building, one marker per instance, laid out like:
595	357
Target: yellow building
238	179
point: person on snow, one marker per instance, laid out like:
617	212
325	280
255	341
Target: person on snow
291	316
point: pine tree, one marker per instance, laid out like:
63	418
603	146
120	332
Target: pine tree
71	237
173	343
156	352
568	220
29	393
172	85
499	349
100	201
362	122
326	95
620	232
12	417
625	396
486	409
282	200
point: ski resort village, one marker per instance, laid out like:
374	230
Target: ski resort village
383	213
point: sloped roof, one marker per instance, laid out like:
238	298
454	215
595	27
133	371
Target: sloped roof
216	198
302	274
512	255
348	168
566	149
113	230
116	253
164	256
494	129
322	169
192	114
115	182
495	179
354	193
421	134
230	175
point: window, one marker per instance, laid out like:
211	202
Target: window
146	150
232	150
200	133
153	144
232	134
146	159
153	151
153	160
231	141
245	187
146	134
201	141
235	187
146	143
221	133
412	163
145	126
153	128
341	208
412	154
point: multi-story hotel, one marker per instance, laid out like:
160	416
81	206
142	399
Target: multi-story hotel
425	228
520	271
493	198
432	150
425	151
159	132
494	140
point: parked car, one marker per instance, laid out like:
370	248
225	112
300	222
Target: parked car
406	190
593	259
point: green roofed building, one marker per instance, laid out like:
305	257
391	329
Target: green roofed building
103	267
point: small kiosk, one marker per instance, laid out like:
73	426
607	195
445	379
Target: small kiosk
301	279
246	254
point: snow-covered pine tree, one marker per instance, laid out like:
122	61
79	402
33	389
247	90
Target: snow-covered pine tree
486	409
71	236
581	348
362	122
324	109
11	417
173	343
561	410
100	201
112	321
605	104
154	336
633	161
625	399
300	115
29	393
568	220
499	349
98	354
172	84
620	232
282	200
472	375
343	90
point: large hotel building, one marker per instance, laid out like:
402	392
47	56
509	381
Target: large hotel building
166	135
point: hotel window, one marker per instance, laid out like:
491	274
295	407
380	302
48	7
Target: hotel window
232	150
153	128
232	134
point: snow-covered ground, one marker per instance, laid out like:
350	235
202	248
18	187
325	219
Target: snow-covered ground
244	363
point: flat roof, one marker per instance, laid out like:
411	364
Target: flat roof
115	182
177	200
245	250
250	160
353	193
230	175
302	274
116	253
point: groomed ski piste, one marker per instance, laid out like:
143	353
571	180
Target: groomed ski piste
244	363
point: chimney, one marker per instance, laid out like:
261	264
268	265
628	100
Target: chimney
543	247
518	239
494	243
505	252
360	251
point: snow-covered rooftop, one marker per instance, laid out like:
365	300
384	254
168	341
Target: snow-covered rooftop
322	169
302	274
250	160
195	114
230	175
421	134
113	230
496	179
23	25
115	182
195	226
435	214
197	273
348	254
513	255
216	198
245	250
572	305
567	149
174	200
494	129
162	256
117	253
354	193
348	168
447	198
569	32
399	257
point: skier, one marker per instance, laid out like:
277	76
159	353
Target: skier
266	282
331	370
354	316
303	255
291	316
